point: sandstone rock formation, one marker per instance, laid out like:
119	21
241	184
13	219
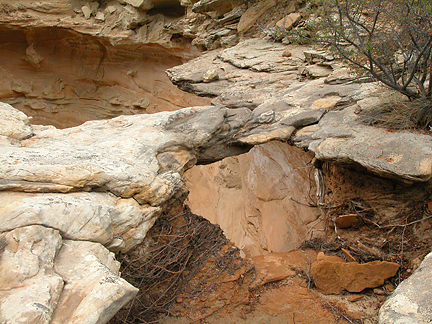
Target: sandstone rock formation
103	182
71	197
332	276
265	200
410	302
133	165
256	74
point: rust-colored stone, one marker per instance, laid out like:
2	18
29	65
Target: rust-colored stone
345	221
333	277
279	265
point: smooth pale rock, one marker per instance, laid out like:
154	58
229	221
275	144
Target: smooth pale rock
318	71
210	75
253	13
256	55
304	119
87	12
100	16
411	300
29	286
14	123
274	133
289	21
93	292
97	217
333	277
142	4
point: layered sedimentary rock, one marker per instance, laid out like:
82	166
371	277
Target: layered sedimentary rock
323	110
71	197
95	187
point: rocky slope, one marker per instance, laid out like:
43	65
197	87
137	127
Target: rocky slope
72	197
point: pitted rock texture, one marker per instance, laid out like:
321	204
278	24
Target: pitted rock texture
30	287
257	74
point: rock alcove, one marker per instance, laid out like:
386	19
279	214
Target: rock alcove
64	78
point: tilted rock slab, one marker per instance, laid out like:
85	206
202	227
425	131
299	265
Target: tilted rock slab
408	303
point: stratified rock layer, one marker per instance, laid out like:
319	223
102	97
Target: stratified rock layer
105	181
66	192
257	74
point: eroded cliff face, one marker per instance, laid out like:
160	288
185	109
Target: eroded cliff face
63	78
264	200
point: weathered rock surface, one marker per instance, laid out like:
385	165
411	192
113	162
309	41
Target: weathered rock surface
263	200
245	81
90	268
14	124
106	80
253	13
88	216
45	279
30	287
96	188
410	302
332	276
103	182
280	265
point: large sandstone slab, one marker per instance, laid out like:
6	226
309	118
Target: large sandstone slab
93	290
397	154
29	286
244	81
87	216
260	199
410	302
118	155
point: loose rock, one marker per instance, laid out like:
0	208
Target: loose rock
333	277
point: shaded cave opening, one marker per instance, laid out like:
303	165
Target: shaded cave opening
63	78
